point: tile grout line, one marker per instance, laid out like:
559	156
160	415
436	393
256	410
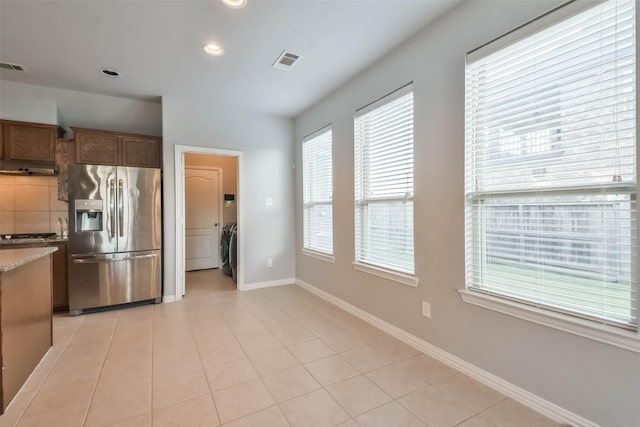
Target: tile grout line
322	387
95	385
153	333
203	368
254	368
363	373
258	314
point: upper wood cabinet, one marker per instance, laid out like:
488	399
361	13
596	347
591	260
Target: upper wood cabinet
141	151
28	141
96	147
114	148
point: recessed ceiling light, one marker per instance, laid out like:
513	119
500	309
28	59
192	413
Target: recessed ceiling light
236	4
110	72
213	49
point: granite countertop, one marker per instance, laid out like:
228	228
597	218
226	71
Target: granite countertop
14	258
33	241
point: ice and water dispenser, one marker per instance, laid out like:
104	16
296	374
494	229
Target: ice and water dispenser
88	215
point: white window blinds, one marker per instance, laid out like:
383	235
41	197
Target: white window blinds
317	178
551	167
384	182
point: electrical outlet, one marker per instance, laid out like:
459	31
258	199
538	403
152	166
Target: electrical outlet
268	201
426	309
269	263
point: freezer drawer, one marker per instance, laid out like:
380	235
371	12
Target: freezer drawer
110	279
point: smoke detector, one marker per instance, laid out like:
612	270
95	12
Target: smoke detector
12	67
286	60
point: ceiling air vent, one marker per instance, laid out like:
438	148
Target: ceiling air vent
13	67
286	60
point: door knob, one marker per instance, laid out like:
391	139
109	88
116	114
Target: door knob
215	225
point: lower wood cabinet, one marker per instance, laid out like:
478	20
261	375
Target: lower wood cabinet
60	287
25	324
60	291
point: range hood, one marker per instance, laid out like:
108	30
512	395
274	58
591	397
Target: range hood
14	167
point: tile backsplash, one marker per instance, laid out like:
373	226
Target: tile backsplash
29	204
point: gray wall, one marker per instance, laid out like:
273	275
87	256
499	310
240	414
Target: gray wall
40	104
267	146
594	380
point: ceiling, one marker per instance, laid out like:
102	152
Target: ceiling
157	46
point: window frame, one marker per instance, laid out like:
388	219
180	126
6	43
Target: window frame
307	249
361	202
594	329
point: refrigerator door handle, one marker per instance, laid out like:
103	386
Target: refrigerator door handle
136	257
104	260
120	207
112	203
93	260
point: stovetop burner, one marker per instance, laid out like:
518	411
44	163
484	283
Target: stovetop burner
14	236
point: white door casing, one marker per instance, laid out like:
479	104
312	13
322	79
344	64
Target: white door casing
179	255
202	218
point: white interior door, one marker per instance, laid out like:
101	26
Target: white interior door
202	218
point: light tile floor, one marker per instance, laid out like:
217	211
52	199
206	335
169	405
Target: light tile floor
271	357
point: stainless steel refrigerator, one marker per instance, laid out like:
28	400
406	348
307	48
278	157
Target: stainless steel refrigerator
115	236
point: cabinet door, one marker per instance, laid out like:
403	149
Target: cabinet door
29	141
96	148
60	290
141	152
1	141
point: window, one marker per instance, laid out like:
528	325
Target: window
551	167
317	182
384	183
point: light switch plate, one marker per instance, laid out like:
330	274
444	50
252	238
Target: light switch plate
426	309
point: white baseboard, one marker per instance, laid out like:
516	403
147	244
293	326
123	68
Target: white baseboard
521	395
272	283
169	298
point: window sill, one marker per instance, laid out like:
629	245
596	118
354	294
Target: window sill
611	335
319	255
396	276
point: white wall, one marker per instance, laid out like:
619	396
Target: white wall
594	380
40	104
266	143
27	103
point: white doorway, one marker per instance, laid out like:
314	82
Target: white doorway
180	174
203	217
